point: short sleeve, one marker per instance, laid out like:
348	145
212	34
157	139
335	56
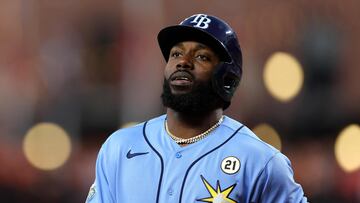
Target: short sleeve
100	191
276	183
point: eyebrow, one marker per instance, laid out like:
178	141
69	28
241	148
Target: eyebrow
198	46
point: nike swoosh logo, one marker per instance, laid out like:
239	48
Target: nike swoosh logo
130	155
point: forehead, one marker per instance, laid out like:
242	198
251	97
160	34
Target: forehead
193	45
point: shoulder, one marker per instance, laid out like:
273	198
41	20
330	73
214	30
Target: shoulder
261	159
131	135
245	142
246	138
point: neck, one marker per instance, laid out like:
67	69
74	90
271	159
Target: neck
186	126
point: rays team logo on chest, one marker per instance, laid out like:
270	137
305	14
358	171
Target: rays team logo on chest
217	195
201	21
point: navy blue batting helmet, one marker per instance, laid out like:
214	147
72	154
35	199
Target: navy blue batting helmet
217	34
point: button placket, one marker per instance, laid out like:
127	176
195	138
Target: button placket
178	155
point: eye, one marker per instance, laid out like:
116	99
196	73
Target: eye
203	57
175	54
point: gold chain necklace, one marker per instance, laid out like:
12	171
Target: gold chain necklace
191	140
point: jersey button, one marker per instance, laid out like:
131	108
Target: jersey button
178	155
170	192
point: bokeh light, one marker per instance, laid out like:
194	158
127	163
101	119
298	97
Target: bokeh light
268	134
283	76
347	148
47	146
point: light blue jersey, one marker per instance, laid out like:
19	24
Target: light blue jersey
142	164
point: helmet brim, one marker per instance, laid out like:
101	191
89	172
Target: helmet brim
172	35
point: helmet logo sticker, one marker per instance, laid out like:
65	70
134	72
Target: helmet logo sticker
201	21
230	165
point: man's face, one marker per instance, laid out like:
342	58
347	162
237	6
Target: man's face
187	84
189	63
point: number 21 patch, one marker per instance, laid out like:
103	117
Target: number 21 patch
230	165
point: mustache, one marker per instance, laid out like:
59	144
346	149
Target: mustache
182	73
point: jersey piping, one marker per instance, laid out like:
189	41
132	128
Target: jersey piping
192	164
161	161
207	153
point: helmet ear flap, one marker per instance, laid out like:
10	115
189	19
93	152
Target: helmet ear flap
231	81
224	81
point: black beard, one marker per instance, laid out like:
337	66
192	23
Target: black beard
199	102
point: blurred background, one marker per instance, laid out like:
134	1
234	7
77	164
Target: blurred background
72	72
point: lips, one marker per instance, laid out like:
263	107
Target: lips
181	78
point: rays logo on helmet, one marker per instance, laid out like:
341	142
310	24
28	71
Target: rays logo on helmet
201	21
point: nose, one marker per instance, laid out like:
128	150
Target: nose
185	63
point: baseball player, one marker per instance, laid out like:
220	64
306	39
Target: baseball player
194	153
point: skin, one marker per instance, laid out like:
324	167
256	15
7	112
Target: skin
199	61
